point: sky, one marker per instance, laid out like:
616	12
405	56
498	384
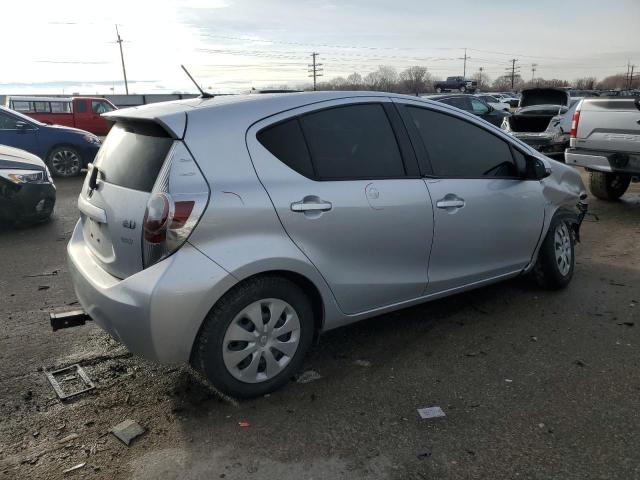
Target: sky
231	46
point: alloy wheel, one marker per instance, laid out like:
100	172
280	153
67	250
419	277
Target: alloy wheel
562	246
65	163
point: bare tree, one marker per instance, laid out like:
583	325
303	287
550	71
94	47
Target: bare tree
484	81
383	79
354	81
414	79
504	83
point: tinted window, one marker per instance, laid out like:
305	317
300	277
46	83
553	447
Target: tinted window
132	155
458	102
81	106
355	141
286	142
458	148
7	122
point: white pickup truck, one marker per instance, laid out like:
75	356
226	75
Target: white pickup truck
605	140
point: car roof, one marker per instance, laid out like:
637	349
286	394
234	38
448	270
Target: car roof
172	114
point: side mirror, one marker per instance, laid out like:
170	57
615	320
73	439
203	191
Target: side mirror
22	126
536	169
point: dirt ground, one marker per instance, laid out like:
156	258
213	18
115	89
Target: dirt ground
534	384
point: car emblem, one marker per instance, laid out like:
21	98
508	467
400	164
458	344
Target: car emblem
129	224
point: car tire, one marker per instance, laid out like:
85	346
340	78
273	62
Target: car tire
64	161
228	332
556	260
463	89
608	186
438	90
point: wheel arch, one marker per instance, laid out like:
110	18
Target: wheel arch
306	284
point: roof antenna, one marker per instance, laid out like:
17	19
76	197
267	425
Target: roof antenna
203	94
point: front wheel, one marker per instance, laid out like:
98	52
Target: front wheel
438	90
554	268
64	161
255	338
463	89
608	186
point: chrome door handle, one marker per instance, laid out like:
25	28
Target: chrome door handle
450	203
311	207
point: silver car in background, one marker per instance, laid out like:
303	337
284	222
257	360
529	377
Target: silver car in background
230	232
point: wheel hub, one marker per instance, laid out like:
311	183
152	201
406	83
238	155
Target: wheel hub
261	340
562	245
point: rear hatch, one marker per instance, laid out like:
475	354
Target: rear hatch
544	96
112	214
609	124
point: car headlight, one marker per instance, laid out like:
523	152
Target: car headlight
92	139
25	176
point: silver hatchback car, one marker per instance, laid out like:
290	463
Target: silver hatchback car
230	232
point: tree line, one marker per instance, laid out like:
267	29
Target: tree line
417	79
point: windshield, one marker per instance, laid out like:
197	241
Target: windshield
22	116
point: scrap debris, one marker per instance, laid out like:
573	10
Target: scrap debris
74	468
431	412
73	375
128	430
308	376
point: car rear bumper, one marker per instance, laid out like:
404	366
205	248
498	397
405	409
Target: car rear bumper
615	162
543	142
157	312
31	201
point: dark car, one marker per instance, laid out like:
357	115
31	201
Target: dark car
473	105
65	150
27	192
456	83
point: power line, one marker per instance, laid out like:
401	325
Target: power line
315	69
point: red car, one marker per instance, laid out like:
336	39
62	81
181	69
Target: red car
78	112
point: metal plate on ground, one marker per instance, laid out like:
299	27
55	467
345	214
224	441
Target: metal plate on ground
69	381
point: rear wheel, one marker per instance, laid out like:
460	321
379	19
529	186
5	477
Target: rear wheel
255	338
64	161
554	268
608	186
438	90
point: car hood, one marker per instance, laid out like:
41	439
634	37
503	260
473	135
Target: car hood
15	158
544	96
71	129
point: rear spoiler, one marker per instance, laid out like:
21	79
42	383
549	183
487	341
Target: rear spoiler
171	116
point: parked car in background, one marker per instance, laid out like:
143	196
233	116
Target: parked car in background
605	140
65	150
344	187
493	101
27	192
543	119
473	104
78	112
509	98
456	83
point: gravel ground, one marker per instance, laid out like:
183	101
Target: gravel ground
534	384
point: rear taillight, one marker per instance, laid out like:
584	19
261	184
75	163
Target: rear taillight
175	205
574	124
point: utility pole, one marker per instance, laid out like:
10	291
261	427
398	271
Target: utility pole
631	77
513	71
124	70
465	58
315	69
533	71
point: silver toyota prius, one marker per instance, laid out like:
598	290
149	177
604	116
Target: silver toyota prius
229	232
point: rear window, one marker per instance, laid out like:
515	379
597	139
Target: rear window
132	155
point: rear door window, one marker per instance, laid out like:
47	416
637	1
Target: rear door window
458	102
132	155
460	149
286	142
352	142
